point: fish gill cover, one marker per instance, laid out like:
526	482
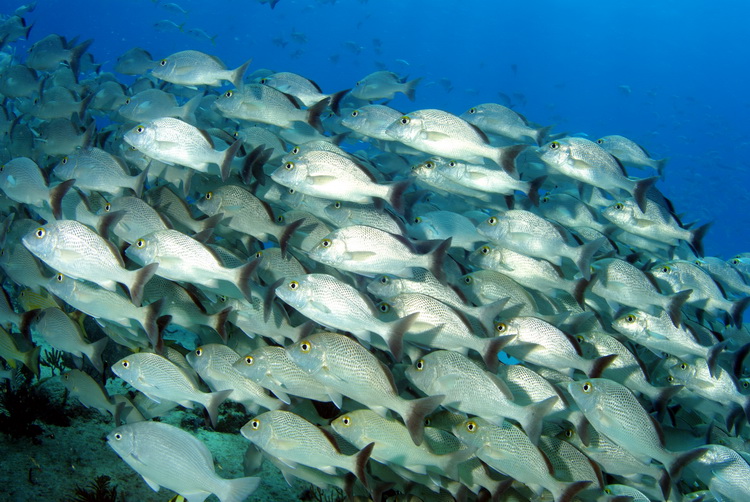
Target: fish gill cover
321	224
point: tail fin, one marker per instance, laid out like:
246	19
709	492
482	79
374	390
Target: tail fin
674	307
600	364
586	253
56	196
94	353
336	100
437	258
226	163
243	278
541	134
534	186
220	323
395	195
411	88
187	111
532	424
139	181
142	276
239	73
416	412
213	402
738	309
493	346
314	112
696	240
31	360
75	56
641	191
682	460
361	462
572	490
660	164
506	157
395	335
237	490
153	311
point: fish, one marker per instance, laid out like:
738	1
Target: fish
94	169
194	68
22	181
307	91
11	353
493	118
630	153
165	455
384	85
152	104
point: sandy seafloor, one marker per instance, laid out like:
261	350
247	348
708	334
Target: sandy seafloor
50	467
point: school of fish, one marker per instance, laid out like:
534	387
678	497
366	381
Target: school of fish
486	307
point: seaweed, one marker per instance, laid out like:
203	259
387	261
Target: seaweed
315	494
98	490
23	405
56	360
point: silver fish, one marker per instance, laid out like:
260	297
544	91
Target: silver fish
192	68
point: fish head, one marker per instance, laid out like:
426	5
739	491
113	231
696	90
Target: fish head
122	440
426	170
681	372
61	286
508	327
253	366
199	359
309	354
667	273
231	102
495	228
595	395
385	286
210	203
291	174
42	241
166	67
143	251
620	213
259	430
356	120
473	432
486	256
352	426
407	129
127	368
555	153
423	372
338	213
296	291
633	323
330	250
65	168
142	137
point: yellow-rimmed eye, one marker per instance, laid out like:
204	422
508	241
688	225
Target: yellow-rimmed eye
468	279
472	110
263	80
229	94
293	285
735	261
163	62
485	250
255	424
305	346
419	365
337	205
405	119
326	243
384	307
140	243
683	366
209	195
745	384
107	207
40	233
665	269
452	163
501	327
630	318
670	379
385	279
127	101
64	160
199	351
59	278
355	113
295	150
125	364
580	338
619	206
346	421
280	219
289	166
417	220
608	491
118	436
587	387
249	360
600	141
472	426
492	221
554	145
222	299
569	433
140	129
259	254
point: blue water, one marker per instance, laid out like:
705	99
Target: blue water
670	75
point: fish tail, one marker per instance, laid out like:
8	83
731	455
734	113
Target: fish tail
336	100
395	195
31	359
239	73
314	112
600	364
142	276
641	189
738	309
674	306
56	196
187	111
287	233
395	335
75	56
662	398
506	157
27	318
252	166
411	88
541	134
360	462
416	412
139	182
713	356
213	402
107	221
696	238
211	222
436	259
665	485
220	323
579	290
585	254
534	186
681	460
532	424
243	278
237	490
493	346
94	353
572	490
226	163
153	311
739	359
660	165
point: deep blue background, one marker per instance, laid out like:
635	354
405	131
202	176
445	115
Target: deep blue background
560	62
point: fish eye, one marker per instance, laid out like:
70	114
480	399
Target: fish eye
289	166
259	254
295	150
255	424
670	379
554	145
127	101
419	365
545	198
40	233
199	352
385	308
468	279
209	195
118	436
745	384
608	491
280	218
569	433
125	364
249	360
630	318
600	141
263	80
140	129
346	421
484	250
229	94
429	164
472	110
385	279
417	220
665	269
501	327
452	163
358	83
107	206
64	160
60	277
140	243
683	366
580	338
326	243
222	299
355	113
492	221
471	426
405	120
337	205
587	387
619	206
293	285
163	62
305	346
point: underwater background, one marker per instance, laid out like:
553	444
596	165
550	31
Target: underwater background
669	75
